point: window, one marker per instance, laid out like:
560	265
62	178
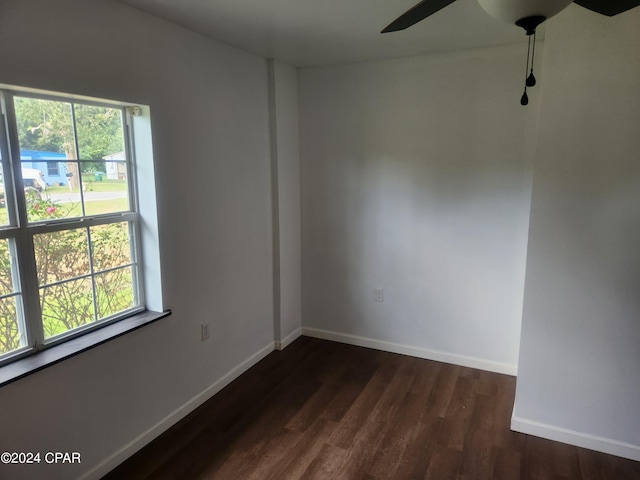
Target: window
69	251
52	169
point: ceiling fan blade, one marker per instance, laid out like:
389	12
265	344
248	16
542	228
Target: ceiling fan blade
417	13
608	7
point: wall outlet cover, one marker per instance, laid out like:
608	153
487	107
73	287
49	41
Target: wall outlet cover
378	295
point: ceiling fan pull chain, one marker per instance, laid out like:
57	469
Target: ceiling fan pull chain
524	100
531	79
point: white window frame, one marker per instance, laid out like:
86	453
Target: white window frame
22	232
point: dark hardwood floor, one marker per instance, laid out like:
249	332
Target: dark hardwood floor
325	410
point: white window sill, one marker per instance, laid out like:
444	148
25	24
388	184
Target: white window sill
51	356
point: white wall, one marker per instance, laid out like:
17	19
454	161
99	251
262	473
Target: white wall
210	121
285	160
416	178
579	377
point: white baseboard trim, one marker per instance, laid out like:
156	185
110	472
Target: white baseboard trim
579	439
419	352
174	417
288	340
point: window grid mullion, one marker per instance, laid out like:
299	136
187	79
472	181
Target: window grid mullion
9	232
66	280
93	279
70	224
9	295
92	273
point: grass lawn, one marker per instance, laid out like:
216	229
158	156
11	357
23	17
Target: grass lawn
101	206
91	186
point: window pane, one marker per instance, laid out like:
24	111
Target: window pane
61	255
54	203
110	246
106	191
44	127
6	269
4	217
9	331
114	291
4	214
103	166
47	154
66	306
99	135
10	338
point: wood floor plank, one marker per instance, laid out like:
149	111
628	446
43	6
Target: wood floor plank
317	404
564	460
506	464
326	464
444	464
459	412
298	459
395	447
324	410
443	389
417	454
369	436
538	459
272	455
478	455
357	417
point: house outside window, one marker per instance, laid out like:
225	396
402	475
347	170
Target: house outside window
70	251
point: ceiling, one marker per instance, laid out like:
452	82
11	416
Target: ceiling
308	33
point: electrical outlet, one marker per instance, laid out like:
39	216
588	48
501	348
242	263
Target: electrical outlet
378	295
204	330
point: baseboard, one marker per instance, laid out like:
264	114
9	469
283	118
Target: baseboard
412	351
128	450
579	439
288	340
